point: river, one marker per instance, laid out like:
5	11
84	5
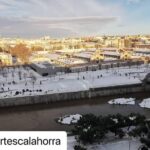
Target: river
42	117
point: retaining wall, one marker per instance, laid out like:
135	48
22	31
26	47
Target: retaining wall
94	92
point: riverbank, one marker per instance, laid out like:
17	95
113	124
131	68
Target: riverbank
74	86
89	94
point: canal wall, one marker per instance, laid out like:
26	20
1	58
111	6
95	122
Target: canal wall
91	93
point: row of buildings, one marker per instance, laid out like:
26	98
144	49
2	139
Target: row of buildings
77	51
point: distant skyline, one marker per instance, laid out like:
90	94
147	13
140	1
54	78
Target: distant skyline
67	18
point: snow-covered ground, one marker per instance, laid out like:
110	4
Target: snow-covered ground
145	103
124	144
20	82
69	119
122	101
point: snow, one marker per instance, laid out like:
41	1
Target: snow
69	50
69	119
130	101
71	61
110	59
132	118
115	120
145	103
109	49
110	53
146	51
84	55
114	145
26	82
122	101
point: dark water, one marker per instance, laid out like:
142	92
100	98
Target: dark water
42	117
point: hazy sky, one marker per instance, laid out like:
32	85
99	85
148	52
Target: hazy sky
61	18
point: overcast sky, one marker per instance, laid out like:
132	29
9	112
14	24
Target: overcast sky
63	18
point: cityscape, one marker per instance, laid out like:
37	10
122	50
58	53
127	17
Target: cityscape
48	71
78	67
31	64
69	52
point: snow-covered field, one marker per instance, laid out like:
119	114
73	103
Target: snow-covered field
20	82
122	101
69	119
116	145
